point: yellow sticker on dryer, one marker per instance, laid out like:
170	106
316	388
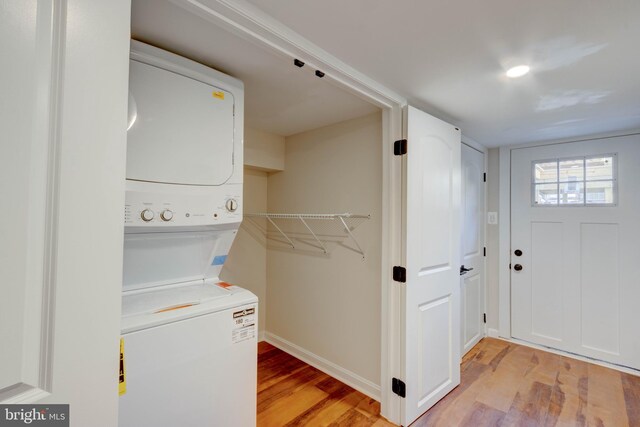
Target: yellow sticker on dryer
219	95
122	376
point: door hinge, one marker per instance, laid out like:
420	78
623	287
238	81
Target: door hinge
399	274
484	317
509	266
398	387
485	251
484	177
400	147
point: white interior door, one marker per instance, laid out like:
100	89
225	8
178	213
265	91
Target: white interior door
574	237
62	157
432	255
472	248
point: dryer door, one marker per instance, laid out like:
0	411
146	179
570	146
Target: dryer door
181	130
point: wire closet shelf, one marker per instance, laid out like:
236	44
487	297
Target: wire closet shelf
322	227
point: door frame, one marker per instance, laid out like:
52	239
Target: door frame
485	204
76	161
40	286
252	24
504	236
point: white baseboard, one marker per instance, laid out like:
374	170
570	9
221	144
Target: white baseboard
351	379
261	336
493	333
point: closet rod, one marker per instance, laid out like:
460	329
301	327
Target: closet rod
302	217
307	216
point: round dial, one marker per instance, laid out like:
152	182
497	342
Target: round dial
147	215
166	215
232	205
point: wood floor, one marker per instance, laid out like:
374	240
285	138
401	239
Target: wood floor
503	384
292	393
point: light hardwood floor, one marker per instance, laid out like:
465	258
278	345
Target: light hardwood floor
503	384
292	393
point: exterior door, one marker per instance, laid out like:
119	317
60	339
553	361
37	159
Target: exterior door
63	117
432	255
472	248
574	236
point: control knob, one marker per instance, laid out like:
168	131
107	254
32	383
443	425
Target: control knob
166	215
232	205
147	215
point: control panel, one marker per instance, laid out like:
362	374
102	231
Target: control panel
217	206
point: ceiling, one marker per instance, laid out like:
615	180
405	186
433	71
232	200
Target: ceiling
449	57
279	98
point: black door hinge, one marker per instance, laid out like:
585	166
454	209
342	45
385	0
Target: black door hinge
484	317
484	177
485	251
509	266
399	387
399	274
400	147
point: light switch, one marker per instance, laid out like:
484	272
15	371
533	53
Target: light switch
492	218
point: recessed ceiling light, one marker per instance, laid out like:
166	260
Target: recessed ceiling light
518	71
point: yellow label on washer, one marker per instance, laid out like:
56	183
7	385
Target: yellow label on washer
219	95
122	376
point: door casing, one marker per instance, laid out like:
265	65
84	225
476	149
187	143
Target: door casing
504	240
73	206
558	299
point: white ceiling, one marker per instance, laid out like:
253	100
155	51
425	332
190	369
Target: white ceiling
279	97
449	56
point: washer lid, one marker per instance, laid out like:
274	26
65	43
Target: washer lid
171	298
151	308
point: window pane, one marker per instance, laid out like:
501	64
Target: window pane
572	170
600	192
545	172
600	168
572	193
546	194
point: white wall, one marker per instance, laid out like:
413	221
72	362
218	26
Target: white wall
493	203
330	305
246	265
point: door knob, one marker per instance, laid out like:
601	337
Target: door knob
517	267
464	270
518	252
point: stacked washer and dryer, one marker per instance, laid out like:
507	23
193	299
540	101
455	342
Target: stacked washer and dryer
190	341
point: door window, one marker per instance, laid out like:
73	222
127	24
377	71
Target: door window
577	181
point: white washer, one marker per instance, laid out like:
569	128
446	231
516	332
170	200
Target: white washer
192	366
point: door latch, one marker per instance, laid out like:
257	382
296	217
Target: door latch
464	270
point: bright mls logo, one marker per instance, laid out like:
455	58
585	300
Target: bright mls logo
34	415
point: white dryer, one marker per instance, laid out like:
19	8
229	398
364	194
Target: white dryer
190	342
